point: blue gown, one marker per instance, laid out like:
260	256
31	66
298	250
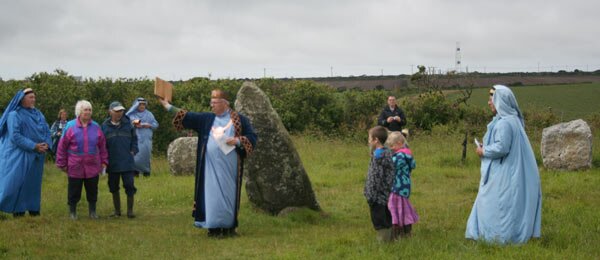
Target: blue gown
220	180
508	206
21	167
143	157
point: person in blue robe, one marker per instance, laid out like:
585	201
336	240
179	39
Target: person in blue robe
225	138
24	142
508	207
144	122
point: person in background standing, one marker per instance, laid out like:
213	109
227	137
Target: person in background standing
392	117
57	128
145	124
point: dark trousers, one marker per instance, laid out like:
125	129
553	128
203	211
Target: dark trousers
380	216
127	177
91	190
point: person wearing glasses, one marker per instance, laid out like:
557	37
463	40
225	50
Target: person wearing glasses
225	139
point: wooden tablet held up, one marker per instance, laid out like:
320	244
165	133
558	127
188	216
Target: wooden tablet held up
163	89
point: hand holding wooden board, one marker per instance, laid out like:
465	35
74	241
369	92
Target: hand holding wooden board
163	89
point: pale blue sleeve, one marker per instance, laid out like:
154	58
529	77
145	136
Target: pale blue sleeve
500	142
153	122
14	131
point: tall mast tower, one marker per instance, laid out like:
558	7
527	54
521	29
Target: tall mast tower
457	62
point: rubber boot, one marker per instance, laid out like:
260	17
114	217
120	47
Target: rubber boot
117	205
73	211
18	214
229	232
215	232
384	235
130	207
92	208
397	232
407	229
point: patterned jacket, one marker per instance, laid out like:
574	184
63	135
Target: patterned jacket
380	177
404	163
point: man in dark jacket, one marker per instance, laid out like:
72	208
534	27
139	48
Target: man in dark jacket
392	117
121	143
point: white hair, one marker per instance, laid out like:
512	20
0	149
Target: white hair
81	105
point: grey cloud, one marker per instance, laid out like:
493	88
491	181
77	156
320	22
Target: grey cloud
185	38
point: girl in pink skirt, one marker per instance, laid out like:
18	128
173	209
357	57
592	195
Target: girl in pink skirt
403	214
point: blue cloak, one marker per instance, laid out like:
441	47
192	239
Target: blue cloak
144	135
508	207
21	167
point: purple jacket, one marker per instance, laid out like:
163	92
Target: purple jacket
82	150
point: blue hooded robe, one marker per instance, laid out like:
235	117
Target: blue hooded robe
508	207
144	135
21	167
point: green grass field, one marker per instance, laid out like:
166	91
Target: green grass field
444	190
567	101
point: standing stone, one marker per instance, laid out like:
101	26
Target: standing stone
181	155
567	146
275	177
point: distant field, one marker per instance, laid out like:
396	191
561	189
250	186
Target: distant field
567	101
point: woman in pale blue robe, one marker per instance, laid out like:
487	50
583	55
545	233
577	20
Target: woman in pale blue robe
508	207
145	124
24	141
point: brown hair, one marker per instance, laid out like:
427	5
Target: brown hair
379	133
60	112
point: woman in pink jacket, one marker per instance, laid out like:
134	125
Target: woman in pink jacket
82	155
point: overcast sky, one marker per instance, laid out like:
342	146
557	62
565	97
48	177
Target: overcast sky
180	39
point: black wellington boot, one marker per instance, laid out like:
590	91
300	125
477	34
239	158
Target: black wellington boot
130	207
407	229
117	204
92	208
73	212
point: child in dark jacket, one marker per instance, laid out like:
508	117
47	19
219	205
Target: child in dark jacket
379	182
121	142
